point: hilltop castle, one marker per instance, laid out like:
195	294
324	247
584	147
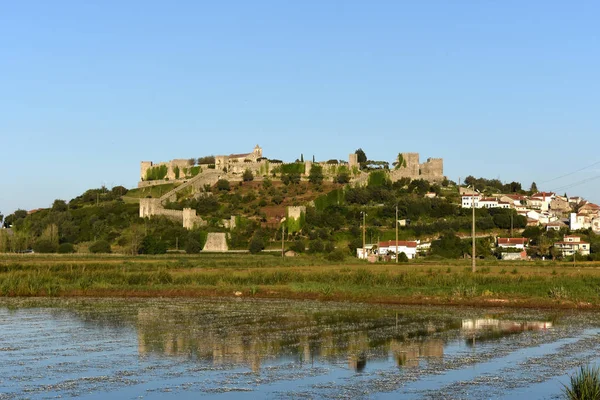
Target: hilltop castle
232	167
194	176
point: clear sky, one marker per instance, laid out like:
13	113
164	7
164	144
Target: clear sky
500	89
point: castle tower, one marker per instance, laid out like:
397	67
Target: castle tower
257	151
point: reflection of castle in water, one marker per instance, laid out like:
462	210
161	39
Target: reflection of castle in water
300	337
355	338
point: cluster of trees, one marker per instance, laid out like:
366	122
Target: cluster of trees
495	185
201	160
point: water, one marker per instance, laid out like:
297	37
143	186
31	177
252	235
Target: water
247	349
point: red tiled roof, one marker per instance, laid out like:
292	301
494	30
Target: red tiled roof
507	241
542	194
401	243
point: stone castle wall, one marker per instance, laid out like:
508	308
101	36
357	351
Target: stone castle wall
296	211
431	170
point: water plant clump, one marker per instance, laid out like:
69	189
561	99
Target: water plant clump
584	384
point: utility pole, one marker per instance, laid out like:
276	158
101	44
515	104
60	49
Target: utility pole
364	250
396	233
473	234
282	238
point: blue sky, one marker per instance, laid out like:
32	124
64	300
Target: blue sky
506	90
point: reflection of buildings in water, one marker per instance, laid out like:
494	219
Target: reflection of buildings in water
486	329
503	325
408	354
300	337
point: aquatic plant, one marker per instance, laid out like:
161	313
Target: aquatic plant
584	384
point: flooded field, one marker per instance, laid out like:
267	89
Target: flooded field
242	348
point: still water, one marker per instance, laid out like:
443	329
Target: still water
248	349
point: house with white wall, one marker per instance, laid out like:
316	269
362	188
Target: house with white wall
402	246
572	244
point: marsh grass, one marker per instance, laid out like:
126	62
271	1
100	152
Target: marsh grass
267	274
584	384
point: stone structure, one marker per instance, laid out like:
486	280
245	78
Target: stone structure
353	160
296	211
216	241
408	166
232	167
188	217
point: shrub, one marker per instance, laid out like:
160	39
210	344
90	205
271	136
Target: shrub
66	248
223	185
343	177
315	246
248	176
584	384
402	257
336	255
101	246
45	246
298	246
256	244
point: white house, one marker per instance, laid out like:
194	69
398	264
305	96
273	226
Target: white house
469	199
488	202
402	246
571	245
541	200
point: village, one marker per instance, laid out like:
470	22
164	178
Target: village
546	210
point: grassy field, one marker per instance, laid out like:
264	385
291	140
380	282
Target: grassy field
517	284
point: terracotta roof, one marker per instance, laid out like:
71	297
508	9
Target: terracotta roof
542	194
401	243
507	241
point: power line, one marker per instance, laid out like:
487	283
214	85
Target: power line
571	173
570	185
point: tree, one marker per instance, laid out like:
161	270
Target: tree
533	188
153	245
343	177
59	205
301	157
192	246
223	185
316	174
192	162
248	175
361	156
45	246
119	190
448	246
290	178
257	244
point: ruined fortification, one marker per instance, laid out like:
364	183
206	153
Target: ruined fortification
193	179
409	166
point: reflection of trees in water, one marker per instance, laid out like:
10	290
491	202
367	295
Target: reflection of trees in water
251	338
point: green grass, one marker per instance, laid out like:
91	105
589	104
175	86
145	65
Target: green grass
305	276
